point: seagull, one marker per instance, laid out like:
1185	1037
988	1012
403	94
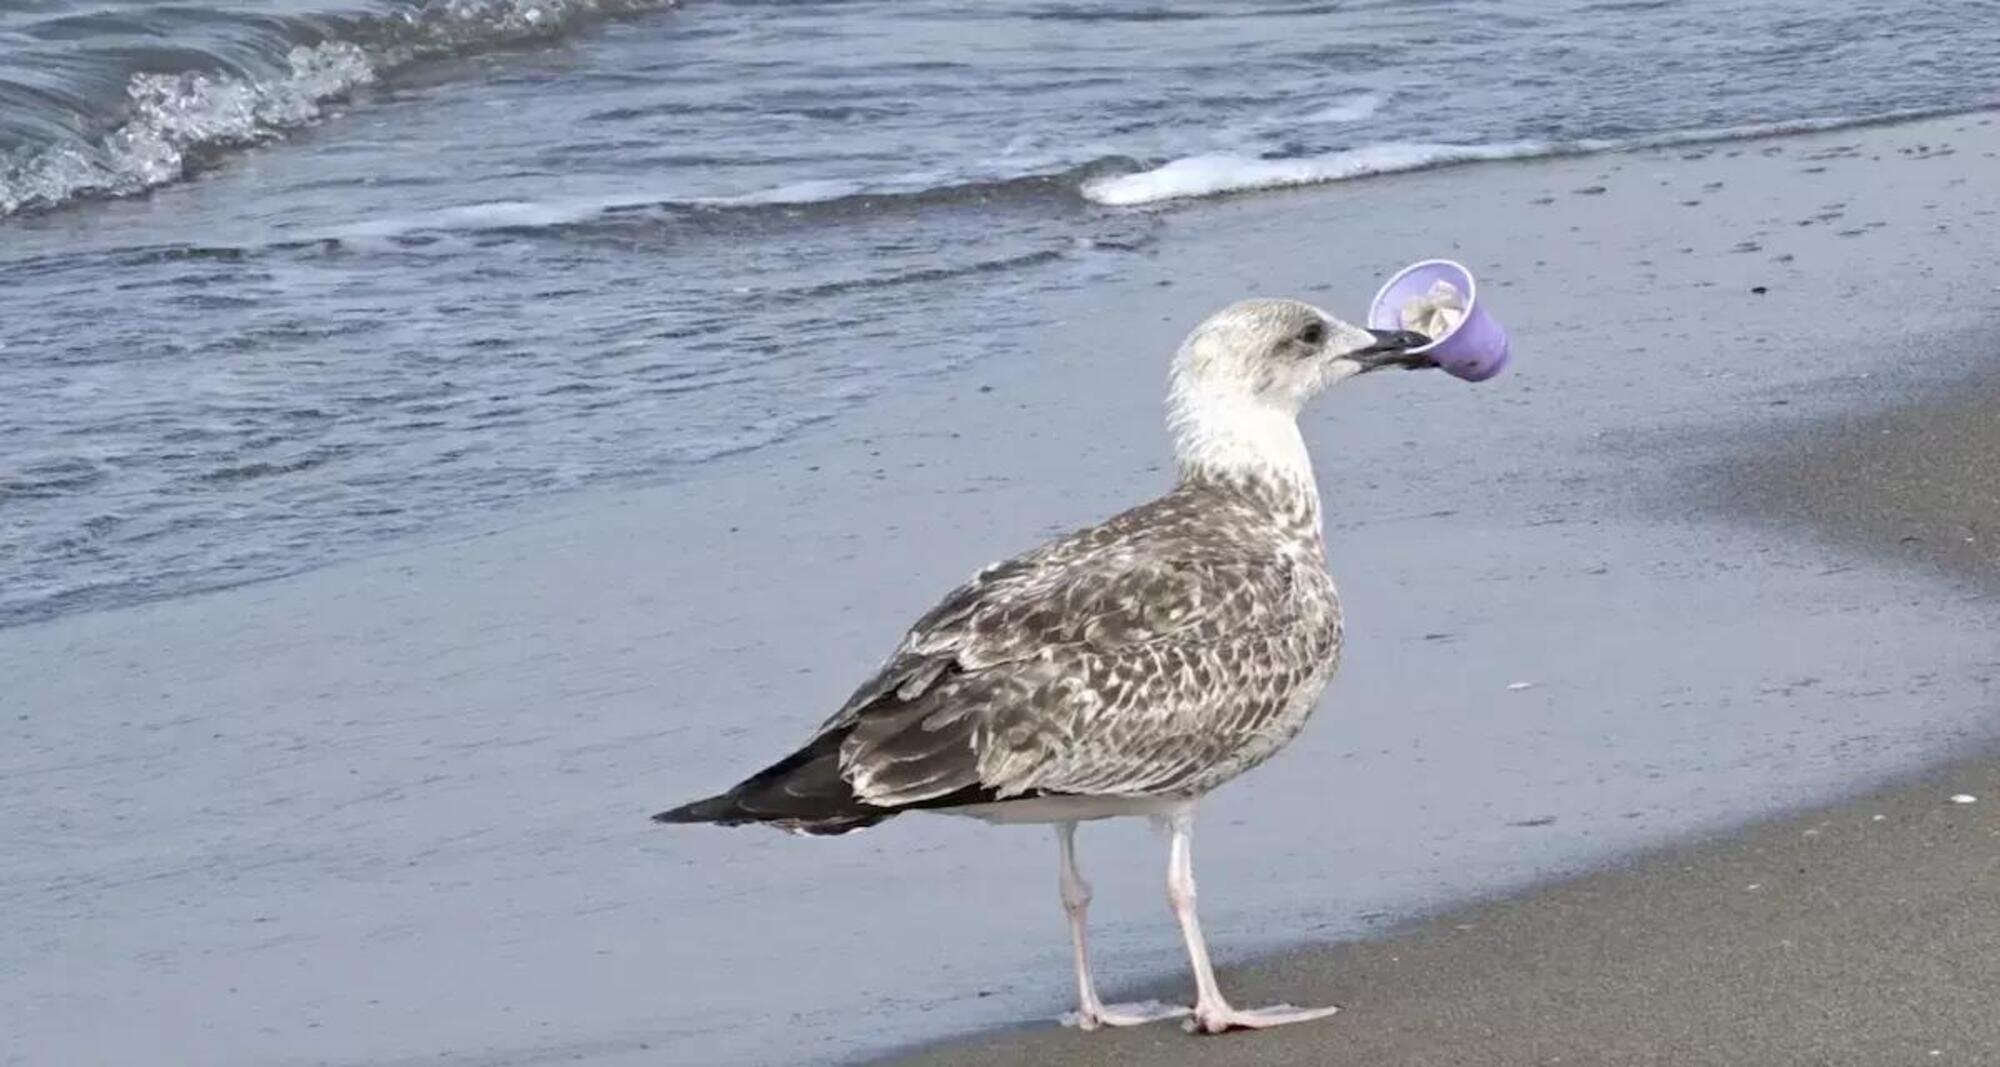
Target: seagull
1126	669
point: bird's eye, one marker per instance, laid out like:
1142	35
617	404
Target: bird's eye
1313	334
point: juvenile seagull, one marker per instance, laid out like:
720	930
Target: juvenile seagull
1128	668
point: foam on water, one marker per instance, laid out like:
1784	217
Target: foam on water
1207	175
169	119
1351	109
490	215
174	116
1217	173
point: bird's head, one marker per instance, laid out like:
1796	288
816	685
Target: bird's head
1241	377
1282	353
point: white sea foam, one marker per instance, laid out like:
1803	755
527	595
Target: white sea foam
1212	174
1207	175
1347	109
567	211
172	116
812	191
487	215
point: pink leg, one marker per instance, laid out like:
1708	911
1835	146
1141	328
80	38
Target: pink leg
1092	1013
1212	1014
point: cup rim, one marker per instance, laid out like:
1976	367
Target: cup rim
1471	297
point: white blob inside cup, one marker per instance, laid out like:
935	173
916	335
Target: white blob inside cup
1475	349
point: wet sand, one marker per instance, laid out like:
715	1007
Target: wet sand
1920	482
1865	933
393	811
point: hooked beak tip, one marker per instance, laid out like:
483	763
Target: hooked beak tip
1392	348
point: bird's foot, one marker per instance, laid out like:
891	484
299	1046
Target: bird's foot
1222	1018
1138	1013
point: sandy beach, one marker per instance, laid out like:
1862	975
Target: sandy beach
1639	592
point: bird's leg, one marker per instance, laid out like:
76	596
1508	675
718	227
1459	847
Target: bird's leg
1092	1013
1212	1014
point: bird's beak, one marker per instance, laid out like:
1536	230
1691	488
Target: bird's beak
1392	349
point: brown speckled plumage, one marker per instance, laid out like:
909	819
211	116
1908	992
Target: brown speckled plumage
1160	653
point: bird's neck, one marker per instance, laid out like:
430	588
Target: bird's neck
1226	436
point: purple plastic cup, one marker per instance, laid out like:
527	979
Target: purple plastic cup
1476	350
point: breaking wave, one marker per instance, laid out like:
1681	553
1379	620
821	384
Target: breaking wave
167	122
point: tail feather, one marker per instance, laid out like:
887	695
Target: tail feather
721	809
803	792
